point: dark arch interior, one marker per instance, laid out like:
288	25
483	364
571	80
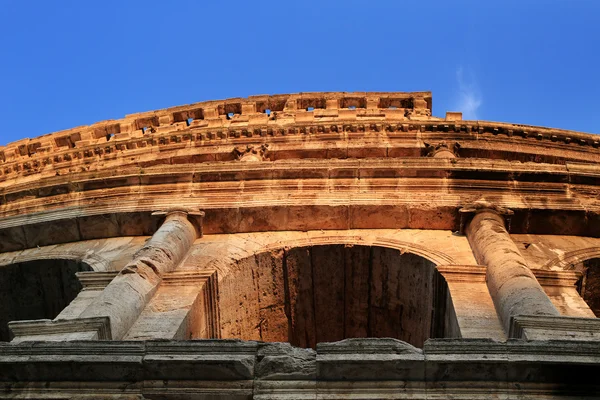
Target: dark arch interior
36	289
328	293
590	286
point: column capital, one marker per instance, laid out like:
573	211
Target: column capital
179	210
442	150
468	211
194	215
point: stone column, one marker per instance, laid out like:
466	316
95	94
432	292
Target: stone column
512	285
128	293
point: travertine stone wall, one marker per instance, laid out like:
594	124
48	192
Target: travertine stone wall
306	218
307	295
187	307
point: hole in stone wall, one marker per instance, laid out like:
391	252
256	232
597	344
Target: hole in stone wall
328	293
310	108
37	290
189	121
109	136
268	112
230	115
352	108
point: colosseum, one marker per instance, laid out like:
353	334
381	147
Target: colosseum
302	246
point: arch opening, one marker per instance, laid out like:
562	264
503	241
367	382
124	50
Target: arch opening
37	289
325	293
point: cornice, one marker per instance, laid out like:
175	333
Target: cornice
209	124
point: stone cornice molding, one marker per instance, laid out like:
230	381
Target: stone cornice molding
45	327
225	121
477	273
95	280
34	162
542	327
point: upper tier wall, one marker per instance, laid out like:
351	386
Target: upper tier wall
261	117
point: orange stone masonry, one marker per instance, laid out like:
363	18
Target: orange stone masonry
314	245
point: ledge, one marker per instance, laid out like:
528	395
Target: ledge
95	328
230	368
541	327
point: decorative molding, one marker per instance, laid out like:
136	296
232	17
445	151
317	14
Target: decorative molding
95	280
443	146
557	278
291	114
189	278
251	153
44	327
542	327
477	273
462	273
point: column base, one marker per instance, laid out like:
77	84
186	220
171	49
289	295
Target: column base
542	327
95	328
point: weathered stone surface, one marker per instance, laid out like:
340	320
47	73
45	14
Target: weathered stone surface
512	285
329	216
327	293
282	361
124	298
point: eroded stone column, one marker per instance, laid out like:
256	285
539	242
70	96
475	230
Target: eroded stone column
128	293
512	285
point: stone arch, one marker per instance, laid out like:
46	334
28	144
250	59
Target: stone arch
37	288
95	262
586	262
435	256
355	288
569	260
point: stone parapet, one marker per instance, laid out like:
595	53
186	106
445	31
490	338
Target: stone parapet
371	368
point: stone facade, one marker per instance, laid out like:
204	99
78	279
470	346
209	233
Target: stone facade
314	245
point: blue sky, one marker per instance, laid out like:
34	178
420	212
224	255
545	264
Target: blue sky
69	63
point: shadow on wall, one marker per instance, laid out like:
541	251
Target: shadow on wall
328	293
590	284
36	290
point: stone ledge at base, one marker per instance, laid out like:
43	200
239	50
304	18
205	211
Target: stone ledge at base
233	369
95	328
543	327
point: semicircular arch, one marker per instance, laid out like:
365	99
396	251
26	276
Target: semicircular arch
571	259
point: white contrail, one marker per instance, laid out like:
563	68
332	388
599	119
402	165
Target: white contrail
469	97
